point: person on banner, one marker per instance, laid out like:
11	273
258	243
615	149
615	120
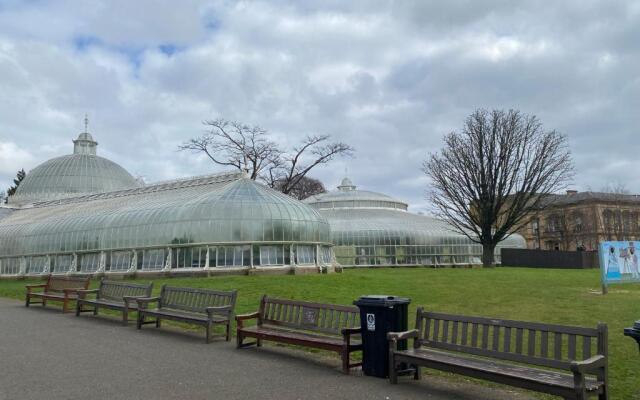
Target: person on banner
613	270
633	261
625	268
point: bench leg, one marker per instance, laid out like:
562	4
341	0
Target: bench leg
27	301
65	304
78	308
158	323
140	320
393	373
228	331
259	342
238	339
345	361
125	317
417	374
95	310
44	302
209	326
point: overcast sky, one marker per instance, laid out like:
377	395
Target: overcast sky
389	78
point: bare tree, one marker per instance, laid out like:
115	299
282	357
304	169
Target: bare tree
248	148
306	187
493	175
294	166
237	145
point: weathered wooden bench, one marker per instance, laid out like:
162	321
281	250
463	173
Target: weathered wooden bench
118	296
565	361
321	326
203	307
57	288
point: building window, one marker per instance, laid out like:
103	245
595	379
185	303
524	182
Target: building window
36	265
120	261
305	255
232	256
326	254
271	255
62	263
152	260
89	262
10	266
189	257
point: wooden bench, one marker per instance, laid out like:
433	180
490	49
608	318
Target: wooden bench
203	307
565	361
321	326
57	288
112	295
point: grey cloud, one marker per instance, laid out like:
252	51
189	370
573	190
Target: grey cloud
390	78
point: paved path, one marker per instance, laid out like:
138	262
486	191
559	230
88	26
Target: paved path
47	355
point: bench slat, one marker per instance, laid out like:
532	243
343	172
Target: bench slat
572	347
507	340
544	344
557	346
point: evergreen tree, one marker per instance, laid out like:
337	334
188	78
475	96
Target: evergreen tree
16	182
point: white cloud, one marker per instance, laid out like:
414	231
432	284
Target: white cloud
390	78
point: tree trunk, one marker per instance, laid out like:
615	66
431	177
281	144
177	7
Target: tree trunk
487	254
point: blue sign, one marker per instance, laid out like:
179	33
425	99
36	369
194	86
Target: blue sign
619	262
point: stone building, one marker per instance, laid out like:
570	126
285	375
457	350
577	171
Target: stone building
580	220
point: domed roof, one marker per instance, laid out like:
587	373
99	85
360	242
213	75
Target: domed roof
82	172
347	196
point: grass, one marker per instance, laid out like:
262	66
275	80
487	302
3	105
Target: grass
570	297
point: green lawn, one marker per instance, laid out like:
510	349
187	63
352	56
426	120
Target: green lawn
570	297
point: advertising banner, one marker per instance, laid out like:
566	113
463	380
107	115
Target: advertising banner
619	262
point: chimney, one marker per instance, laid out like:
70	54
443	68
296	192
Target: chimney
571	192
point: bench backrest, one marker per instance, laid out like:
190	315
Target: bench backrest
195	300
110	290
59	283
304	315
527	342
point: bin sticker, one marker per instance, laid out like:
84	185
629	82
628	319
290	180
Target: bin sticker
371	322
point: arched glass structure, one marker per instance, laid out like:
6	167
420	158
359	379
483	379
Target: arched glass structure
71	175
373	229
203	223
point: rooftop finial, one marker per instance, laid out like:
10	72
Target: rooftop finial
86	123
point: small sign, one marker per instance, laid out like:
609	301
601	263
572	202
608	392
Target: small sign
371	322
309	316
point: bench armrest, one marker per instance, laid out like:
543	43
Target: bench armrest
83	292
219	310
130	299
243	317
588	365
350	331
36	286
143	301
395	336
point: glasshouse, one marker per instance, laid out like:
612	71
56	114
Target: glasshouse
84	214
373	229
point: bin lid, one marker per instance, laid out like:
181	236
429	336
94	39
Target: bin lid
381	301
636	325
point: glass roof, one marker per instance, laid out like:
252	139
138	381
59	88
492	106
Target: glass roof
385	226
348	196
223	208
70	175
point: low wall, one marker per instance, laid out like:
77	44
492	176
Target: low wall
550	258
